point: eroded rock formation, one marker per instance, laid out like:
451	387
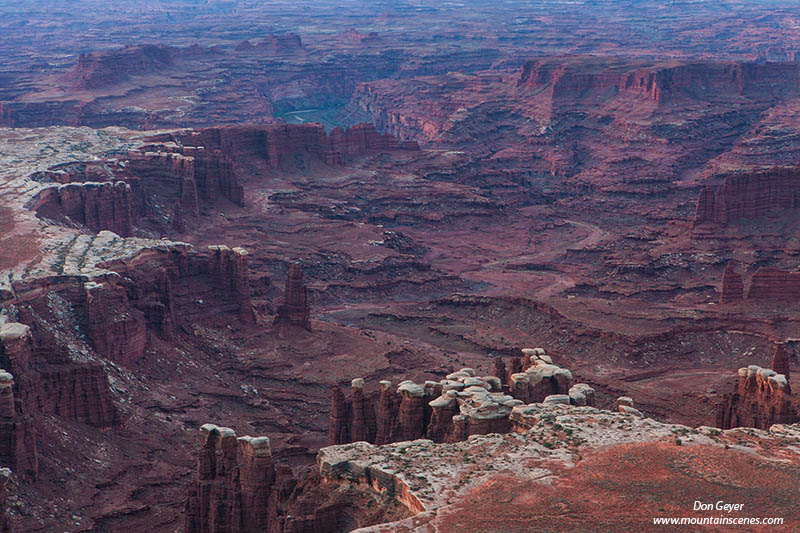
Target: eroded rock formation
98	206
275	44
732	286
17	436
103	69
780	362
295	310
455	408
235	482
659	82
5	522
761	398
770	283
539	379
749	195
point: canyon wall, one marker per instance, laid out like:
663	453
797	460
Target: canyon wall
98	206
767	285
5	522
570	78
774	284
748	195
18	446
115	313
292	147
172	176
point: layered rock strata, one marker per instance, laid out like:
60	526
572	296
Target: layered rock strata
291	147
659	82
749	195
774	284
97	206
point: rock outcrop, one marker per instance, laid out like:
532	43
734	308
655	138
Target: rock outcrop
48	382
625	405
242	487
761	398
17	436
749	195
539	379
572	78
235	482
5	522
732	286
387	413
455	408
116	329
774	284
364	138
231	269
780	362
551	440
295	310
275	44
352	419
98	206
104	69
292	147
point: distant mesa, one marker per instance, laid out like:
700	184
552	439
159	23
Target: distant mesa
355	36
581	76
106	68
282	43
748	195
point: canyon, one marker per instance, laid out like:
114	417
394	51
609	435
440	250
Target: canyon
267	271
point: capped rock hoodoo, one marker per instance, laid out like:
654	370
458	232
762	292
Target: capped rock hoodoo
235	482
295	310
453	409
761	397
17	436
